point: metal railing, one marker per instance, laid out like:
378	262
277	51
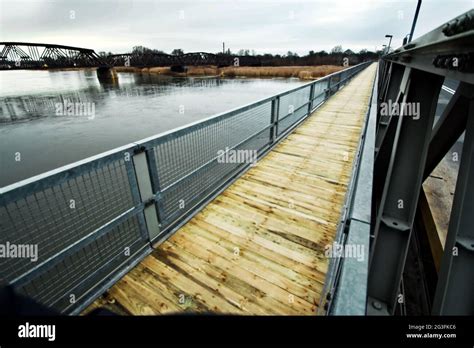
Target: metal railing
94	219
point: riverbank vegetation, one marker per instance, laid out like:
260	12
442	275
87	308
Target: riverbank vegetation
335	56
302	72
250	64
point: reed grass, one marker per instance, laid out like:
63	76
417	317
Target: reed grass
301	72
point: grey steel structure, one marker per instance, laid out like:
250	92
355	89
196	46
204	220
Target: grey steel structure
94	219
28	55
188	59
25	55
408	148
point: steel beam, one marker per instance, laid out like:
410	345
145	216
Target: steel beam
455	290
396	82
434	51
387	128
384	83
449	128
402	183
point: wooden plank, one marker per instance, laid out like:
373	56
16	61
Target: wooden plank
301	201
190	289
130	298
257	256
311	277
273	225
143	284
252	266
287	219
265	238
293	304
200	272
253	295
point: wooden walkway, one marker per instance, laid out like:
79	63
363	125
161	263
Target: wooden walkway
258	248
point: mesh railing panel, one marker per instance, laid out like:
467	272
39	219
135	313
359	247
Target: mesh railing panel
179	198
291	119
80	221
57	216
86	263
289	103
177	157
319	92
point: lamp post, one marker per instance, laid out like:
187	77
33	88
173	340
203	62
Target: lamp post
406	39
414	20
389	42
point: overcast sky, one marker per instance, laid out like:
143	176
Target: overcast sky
274	26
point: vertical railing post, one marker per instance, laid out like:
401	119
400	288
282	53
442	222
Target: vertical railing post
133	181
142	172
311	97
155	184
274	119
328	90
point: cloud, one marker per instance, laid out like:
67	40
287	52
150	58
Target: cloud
275	26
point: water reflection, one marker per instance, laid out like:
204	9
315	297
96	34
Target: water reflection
137	106
28	107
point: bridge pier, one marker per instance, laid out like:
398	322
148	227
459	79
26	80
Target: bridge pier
107	74
179	68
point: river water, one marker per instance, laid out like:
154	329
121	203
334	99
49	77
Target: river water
52	118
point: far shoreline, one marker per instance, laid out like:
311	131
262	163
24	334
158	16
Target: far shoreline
301	72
